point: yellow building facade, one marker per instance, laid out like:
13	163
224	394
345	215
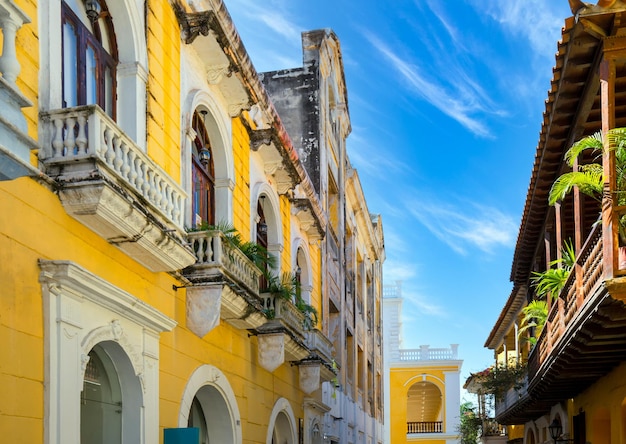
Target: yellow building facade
423	385
162	245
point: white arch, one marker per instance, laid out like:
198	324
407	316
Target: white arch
424	377
131	385
531	427
218	125
282	406
208	375
558	410
271	209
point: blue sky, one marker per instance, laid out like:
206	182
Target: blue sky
446	100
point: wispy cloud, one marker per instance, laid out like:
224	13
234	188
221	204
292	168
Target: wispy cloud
467	225
425	305
460	103
534	19
374	160
279	24
280	36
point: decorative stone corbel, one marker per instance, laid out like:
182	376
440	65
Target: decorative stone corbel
203	308
309	376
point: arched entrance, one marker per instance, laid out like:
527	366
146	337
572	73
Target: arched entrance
209	404
111	399
424	408
282	424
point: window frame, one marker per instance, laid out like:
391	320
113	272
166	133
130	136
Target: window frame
85	39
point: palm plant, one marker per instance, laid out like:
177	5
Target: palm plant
589	178
535	315
553	279
253	251
287	287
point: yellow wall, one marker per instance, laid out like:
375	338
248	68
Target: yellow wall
241	194
400	381
163	119
602	404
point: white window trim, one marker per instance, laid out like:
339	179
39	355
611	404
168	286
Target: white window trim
80	311
132	70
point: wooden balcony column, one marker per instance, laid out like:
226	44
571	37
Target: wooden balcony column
614	51
578	244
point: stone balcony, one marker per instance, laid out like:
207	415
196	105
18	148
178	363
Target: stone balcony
225	285
110	185
286	319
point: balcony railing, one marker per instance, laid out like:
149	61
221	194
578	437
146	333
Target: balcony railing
319	343
215	255
564	309
512	396
425	353
110	185
284	311
424	427
74	134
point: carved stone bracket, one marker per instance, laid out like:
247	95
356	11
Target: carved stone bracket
203	308
271	350
192	24
261	137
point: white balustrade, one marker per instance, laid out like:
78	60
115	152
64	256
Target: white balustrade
317	341
212	249
425	353
86	131
11	19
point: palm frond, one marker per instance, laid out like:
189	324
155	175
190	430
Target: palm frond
593	142
589	181
535	315
550	281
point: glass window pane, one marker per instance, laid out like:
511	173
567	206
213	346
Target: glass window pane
108	91
70	66
91	76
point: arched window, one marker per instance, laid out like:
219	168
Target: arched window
203	174
101	401
261	239
89	55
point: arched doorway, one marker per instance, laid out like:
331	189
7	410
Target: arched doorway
282	424
209	404
111	398
209	412
282	433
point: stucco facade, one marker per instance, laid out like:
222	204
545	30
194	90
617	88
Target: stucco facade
123	288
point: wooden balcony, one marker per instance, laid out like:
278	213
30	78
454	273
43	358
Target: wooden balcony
584	338
110	185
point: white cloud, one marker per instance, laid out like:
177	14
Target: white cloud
280	25
425	305
268	33
399	271
374	160
534	19
465	225
461	103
